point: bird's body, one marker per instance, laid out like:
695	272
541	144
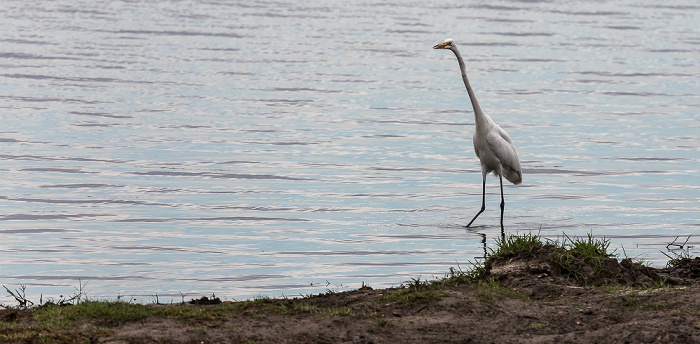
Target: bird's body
492	144
496	151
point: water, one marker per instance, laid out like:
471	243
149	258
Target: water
260	148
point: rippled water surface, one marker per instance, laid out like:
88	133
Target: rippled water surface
277	148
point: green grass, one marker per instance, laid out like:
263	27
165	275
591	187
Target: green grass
573	257
52	321
536	326
109	313
589	248
457	276
285	306
417	291
514	245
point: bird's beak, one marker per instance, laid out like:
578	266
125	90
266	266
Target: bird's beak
440	46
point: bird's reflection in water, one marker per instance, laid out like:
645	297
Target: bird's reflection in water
472	230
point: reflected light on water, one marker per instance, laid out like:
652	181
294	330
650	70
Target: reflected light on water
286	149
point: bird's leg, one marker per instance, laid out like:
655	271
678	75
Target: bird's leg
503	205
483	241
483	201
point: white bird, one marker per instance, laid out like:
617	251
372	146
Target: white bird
492	144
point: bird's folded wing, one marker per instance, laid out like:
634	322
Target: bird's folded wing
504	149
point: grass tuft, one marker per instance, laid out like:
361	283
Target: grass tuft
417	291
576	257
514	244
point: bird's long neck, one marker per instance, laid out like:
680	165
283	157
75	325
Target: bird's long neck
478	113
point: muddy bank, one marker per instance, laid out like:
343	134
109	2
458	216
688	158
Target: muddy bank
517	299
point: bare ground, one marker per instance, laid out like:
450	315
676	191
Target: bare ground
521	300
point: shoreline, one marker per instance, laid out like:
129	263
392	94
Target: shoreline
528	291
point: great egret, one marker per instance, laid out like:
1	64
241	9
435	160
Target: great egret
492	144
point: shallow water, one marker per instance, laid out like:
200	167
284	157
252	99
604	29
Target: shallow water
281	149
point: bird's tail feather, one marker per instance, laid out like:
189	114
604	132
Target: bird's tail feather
513	176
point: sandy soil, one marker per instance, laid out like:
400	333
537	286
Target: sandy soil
531	303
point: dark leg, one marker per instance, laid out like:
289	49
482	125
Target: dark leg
483	241
503	205
483	202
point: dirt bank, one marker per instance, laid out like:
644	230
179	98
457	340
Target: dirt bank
522	299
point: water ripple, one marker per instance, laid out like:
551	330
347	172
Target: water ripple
158	147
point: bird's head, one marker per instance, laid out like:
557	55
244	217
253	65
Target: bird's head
447	44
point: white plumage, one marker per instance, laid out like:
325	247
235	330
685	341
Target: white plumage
492	144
